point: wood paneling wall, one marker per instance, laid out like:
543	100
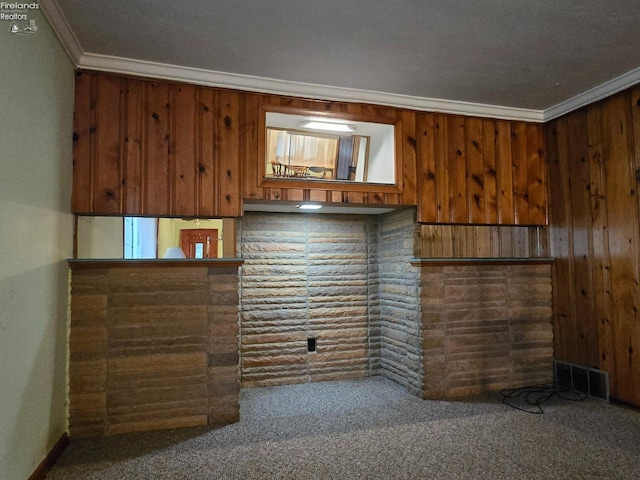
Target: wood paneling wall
154	148
594	160
480	171
147	147
483	241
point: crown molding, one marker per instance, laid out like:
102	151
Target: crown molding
197	76
593	95
91	61
54	15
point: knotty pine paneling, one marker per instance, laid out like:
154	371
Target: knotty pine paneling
581	225
183	147
475	171
504	175
427	167
149	147
155	138
409	162
483	241
490	181
146	147
595	237
82	193
229	153
207	187
536	176
599	241
107	141
457	168
623	228
519	173
133	169
564	316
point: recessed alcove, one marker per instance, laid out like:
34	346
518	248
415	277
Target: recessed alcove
344	280
442	328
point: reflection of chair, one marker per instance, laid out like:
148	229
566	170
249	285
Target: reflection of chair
317	172
278	169
297	171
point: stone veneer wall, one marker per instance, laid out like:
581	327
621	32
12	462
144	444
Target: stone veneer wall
441	331
400	330
306	276
152	347
375	338
485	327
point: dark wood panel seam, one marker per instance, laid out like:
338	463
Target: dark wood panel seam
426	262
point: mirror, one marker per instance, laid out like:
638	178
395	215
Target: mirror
153	238
338	149
313	156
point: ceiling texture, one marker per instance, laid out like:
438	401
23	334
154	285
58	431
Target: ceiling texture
533	60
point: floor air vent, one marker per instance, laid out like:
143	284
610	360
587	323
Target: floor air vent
591	381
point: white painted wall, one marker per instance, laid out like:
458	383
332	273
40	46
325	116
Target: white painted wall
100	237
36	228
381	155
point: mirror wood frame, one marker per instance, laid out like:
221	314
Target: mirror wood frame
336	185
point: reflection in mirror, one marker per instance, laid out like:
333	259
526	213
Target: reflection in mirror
198	238
100	237
303	147
140	237
149	238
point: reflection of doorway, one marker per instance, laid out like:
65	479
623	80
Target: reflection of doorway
199	242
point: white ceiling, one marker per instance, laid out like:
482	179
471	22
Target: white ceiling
532	60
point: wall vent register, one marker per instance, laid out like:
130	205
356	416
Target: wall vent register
591	381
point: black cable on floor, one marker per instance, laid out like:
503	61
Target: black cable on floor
529	399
